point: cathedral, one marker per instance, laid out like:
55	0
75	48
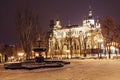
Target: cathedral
76	40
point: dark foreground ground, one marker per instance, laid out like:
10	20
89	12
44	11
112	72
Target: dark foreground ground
77	70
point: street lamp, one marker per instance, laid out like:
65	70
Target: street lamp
20	55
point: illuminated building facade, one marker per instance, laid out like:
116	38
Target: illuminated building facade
76	40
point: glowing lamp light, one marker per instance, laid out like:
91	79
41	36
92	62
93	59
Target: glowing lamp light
68	51
100	40
88	34
112	48
12	57
36	54
20	54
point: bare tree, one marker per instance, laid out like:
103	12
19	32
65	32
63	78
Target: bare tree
80	42
45	41
116	37
108	31
26	23
69	35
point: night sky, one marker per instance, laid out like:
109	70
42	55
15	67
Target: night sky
65	10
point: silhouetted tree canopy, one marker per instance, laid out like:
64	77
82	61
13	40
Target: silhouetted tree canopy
27	27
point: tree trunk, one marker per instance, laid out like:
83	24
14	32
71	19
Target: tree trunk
109	53
71	47
79	46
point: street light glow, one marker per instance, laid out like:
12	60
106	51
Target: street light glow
20	54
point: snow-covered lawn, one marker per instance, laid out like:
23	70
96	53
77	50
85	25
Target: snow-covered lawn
77	70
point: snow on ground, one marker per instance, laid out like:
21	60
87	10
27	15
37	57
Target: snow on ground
77	70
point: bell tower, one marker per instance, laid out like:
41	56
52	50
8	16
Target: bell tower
90	15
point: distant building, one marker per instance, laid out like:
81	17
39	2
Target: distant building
76	40
2	56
